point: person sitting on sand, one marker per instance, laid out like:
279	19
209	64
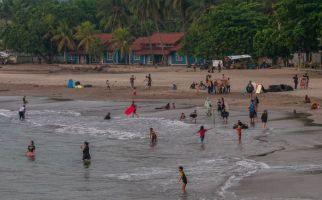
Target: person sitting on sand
193	85
108	116
174	87
307	99
153	136
108	85
194	115
182	117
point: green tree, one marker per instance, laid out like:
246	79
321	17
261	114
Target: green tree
85	35
122	41
63	36
113	14
227	29
300	23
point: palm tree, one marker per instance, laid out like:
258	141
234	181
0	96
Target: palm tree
113	14
63	36
149	10
85	34
121	41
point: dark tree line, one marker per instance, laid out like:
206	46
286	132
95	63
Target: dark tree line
214	28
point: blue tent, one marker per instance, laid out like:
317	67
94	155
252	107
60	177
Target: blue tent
70	83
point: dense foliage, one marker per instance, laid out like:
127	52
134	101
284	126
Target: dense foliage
214	28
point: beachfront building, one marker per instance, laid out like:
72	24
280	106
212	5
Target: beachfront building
157	49
109	56
161	48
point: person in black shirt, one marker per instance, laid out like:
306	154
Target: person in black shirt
296	81
31	146
86	154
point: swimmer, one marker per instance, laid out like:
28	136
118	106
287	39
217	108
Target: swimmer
194	116
182	117
108	116
31	147
153	136
86	154
183	178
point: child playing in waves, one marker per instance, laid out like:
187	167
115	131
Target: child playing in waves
153	136
86	154
183	178
239	132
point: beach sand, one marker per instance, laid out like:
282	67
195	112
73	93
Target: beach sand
280	183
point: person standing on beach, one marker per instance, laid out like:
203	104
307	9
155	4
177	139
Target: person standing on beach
264	118
149	81
252	111
296	81
250	89
132	79
153	136
307	79
183	178
86	154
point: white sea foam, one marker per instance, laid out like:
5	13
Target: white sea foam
240	170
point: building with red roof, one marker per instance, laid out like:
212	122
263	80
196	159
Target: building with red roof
159	48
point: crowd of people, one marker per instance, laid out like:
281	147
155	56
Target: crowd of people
213	86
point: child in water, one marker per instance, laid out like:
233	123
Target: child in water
239	131
86	154
31	147
202	133
182	117
153	136
183	178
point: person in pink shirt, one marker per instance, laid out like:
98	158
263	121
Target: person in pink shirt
202	133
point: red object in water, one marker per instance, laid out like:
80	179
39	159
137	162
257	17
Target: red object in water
30	154
129	110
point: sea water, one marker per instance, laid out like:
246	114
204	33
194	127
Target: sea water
124	163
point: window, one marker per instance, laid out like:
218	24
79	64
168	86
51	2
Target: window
149	59
135	56
179	58
109	55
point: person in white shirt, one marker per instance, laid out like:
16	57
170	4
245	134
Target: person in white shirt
22	112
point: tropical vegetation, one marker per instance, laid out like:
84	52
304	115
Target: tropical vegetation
213	28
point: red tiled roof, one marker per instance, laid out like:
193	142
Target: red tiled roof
137	44
176	47
104	37
165	38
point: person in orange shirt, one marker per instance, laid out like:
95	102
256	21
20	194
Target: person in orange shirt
239	131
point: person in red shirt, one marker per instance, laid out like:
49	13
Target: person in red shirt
202	133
